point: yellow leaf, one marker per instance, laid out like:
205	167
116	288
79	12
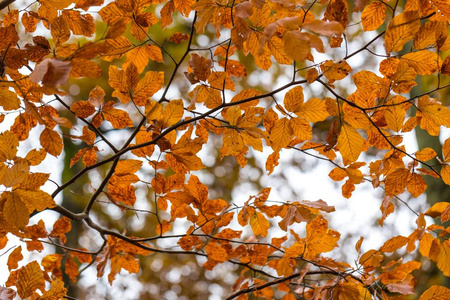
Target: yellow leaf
436	292
424	62
284	267
425	154
433	112
118	81
396	181
147	86
401	30
395	113
259	224
319	238
154	53
296	45
14	258
301	128
8	145
350	143
442	257
35	199
416	185
281	134
428	34
16	174
127	166
337	174
51	141
15	211
246	94
173	112
335	71
445	173
293	99
138	56
9	100
437	209
35	156
183	6
275	46
373	16
29	279
85	68
83	109
394	243
446	150
314	110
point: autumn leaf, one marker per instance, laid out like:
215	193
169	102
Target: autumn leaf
51	72
373	16
435	293
30	278
350	143
400	30
259	224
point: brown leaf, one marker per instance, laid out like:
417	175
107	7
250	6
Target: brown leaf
52	72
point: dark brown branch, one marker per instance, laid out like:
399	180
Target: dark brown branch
6	3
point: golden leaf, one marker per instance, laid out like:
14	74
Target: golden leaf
281	134
373	16
394	244
401	30
395	113
216	252
15	211
51	141
83	109
416	185
436	293
424	62
8	145
294	99
296	45
173	112
147	86
9	100
259	224
350	143
78	23
30	278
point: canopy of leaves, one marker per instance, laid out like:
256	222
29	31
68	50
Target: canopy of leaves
141	133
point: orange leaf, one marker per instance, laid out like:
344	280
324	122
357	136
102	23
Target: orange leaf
401	29
281	134
416	185
14	258
436	293
30	278
394	243
15	211
216	252
51	141
373	16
